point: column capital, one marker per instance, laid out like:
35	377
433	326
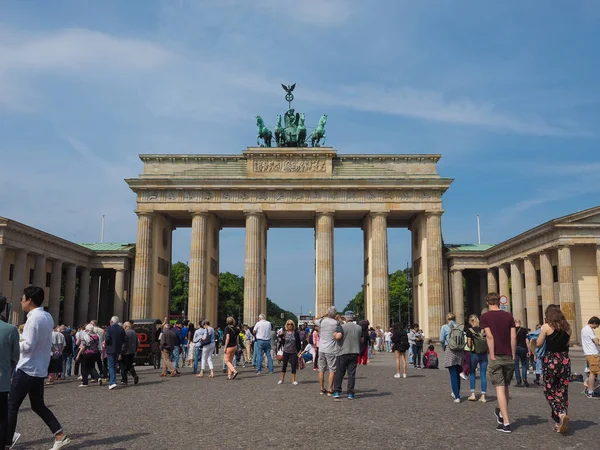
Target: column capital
144	213
119	270
199	213
251	213
456	270
85	270
434	213
379	213
325	213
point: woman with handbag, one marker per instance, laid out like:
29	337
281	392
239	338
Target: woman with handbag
208	347
291	349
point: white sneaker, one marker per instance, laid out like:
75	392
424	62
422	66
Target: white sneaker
112	386
463	376
280	382
457	400
83	385
294	383
397	375
16	437
61	444
80	378
403	375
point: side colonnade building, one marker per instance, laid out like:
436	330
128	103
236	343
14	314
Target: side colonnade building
81	282
557	262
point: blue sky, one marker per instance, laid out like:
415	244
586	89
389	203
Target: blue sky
508	92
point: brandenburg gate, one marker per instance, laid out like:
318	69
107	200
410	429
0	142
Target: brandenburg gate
291	186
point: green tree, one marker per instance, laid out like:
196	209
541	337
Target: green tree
179	287
274	313
398	298
231	297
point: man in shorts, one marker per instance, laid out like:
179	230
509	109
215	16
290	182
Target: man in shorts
589	343
330	334
501	338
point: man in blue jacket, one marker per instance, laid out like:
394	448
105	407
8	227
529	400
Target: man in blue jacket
115	339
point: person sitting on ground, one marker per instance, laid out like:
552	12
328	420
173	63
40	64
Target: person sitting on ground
430	357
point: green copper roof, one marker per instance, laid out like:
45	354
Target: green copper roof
109	247
468	247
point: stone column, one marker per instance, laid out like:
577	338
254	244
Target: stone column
379	269
324	229
547	280
483	290
492	280
55	285
517	291
39	273
566	293
531	299
69	301
198	268
94	292
2	253
458	305
253	266
435	298
84	297
18	285
119	300
503	281
142	289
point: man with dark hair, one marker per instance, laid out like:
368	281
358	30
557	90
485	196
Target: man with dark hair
521	356
32	368
9	356
501	338
589	343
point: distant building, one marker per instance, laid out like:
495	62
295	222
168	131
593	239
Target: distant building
81	281
557	262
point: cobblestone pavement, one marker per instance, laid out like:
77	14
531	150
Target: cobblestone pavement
253	411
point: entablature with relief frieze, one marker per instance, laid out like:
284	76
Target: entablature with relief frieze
288	195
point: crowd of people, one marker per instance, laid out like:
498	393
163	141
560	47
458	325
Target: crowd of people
40	354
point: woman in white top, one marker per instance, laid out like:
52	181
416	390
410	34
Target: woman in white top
208	348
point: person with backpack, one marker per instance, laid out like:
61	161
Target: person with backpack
478	354
400	345
453	341
430	358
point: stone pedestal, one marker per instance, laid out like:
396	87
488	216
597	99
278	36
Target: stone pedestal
566	293
458	305
140	304
531	299
547	280
324	278
517	291
69	301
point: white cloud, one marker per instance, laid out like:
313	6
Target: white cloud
78	48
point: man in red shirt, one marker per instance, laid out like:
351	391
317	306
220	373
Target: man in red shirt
501	337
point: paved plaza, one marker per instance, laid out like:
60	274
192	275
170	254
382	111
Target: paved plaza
253	411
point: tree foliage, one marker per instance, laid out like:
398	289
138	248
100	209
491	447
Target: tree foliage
398	299
231	297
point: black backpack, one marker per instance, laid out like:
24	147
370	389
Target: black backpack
403	345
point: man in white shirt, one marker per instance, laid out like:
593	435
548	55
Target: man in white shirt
589	342
262	333
32	368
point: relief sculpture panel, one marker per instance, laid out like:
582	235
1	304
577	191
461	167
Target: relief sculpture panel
289	165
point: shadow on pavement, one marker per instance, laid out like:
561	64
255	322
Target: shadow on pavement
374	394
109	440
577	425
529	420
48	440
